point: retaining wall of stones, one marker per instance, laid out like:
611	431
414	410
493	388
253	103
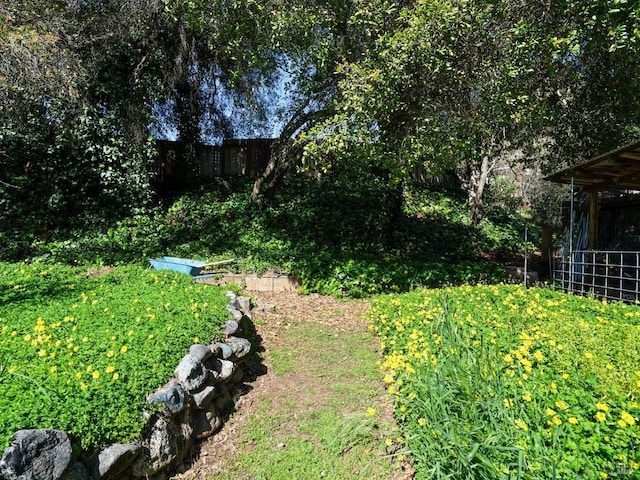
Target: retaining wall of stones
189	407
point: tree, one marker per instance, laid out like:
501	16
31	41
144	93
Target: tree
467	84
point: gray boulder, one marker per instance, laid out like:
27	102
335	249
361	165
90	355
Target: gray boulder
225	350
235	313
223	368
244	303
191	373
113	460
203	397
76	471
36	455
200	352
172	395
206	422
229	327
239	346
161	444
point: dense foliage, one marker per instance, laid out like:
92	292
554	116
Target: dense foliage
505	382
390	85
339	235
80	349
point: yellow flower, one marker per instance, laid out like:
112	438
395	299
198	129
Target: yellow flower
124	349
538	356
550	412
601	416
53	369
556	421
627	418
95	374
371	412
602	406
42	353
622	423
422	422
572	420
521	424
388	442
562	405
588	355
507	402
116	376
603	475
110	369
527	397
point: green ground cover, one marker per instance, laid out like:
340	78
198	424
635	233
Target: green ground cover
340	236
80	350
504	382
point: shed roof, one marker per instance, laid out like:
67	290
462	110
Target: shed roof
616	169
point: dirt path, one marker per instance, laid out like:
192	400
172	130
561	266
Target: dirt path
264	385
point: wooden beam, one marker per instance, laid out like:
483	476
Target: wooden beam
593	219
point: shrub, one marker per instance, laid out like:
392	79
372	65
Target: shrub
504	382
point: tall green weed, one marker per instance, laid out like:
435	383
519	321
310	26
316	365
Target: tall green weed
505	382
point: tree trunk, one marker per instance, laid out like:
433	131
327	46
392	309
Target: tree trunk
478	179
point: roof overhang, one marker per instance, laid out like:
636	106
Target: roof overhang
616	169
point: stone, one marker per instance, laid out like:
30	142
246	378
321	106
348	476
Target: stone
223	368
191	373
113	460
266	307
36	455
172	395
223	403
205	423
202	398
200	352
236	377
244	303
233	301
236	314
239	346
160	448
230	327
225	350
76	471
215	349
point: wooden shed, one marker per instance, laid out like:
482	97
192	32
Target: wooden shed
601	251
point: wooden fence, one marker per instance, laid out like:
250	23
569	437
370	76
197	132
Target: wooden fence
179	164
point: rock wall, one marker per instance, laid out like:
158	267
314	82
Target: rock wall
189	407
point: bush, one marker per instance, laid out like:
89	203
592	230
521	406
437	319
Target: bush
340	236
80	350
503	382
